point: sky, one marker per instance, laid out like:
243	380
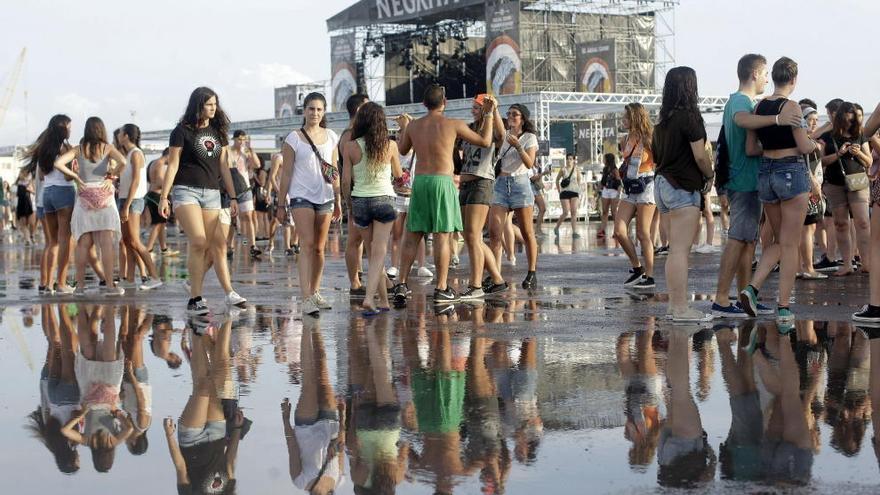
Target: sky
97	57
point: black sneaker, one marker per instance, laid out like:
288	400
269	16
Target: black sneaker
473	293
487	282
401	291
255	253
661	251
634	277
444	309
296	249
445	296
825	265
230	253
496	288
645	283
868	314
288	252
531	281
197	306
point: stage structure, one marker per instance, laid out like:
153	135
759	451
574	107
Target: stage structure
392	49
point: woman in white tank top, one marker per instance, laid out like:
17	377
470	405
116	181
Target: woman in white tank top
132	189
314	202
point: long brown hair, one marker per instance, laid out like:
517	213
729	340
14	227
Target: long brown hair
640	126
842	127
50	143
94	138
369	123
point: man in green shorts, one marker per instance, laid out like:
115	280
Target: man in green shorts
434	207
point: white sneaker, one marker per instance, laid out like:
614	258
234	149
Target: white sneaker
392	272
125	284
424	272
706	249
152	283
308	307
233	299
320	301
112	291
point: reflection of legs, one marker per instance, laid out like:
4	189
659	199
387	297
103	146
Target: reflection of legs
795	428
317	393
380	363
195	413
683	417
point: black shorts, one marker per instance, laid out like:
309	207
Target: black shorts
476	192
568	195
152	200
812	219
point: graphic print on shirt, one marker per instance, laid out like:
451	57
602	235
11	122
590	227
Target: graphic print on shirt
206	146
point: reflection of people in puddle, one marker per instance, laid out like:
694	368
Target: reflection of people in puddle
684	455
486	449
59	392
136	393
518	389
846	399
378	458
874	384
208	435
644	391
704	348
438	383
740	453
315	443
246	356
99	368
791	436
160	341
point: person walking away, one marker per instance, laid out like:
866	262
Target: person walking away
433	205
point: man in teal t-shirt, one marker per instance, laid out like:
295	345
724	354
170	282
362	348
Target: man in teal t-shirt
742	187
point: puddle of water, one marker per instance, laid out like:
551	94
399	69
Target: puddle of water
411	402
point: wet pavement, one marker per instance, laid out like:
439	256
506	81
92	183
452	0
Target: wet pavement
577	387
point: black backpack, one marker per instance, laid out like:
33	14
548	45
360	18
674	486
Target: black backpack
722	161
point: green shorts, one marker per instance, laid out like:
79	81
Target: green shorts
433	205
439	400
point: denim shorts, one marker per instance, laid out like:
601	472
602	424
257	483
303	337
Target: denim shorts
58	197
320	209
189	437
745	215
476	192
204	198
365	211
137	205
646	197
669	198
513	192
783	179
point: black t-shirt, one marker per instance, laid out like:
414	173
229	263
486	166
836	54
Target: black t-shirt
203	461
199	156
672	150
833	173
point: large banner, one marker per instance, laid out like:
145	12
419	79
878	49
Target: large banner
343	71
369	12
596	66
503	64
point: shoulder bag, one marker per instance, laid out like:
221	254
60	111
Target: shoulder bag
328	171
855	181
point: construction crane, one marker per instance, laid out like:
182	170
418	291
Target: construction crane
10	85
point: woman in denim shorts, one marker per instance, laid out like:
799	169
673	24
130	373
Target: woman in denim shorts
197	147
315	202
376	160
684	170
513	190
784	184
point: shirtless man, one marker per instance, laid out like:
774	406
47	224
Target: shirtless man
156	177
434	207
354	244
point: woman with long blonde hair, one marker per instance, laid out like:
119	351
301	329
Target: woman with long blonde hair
637	200
371	199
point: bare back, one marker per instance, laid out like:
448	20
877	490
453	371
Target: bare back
433	138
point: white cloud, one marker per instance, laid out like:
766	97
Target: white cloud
271	75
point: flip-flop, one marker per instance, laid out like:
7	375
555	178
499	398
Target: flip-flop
368	313
384	310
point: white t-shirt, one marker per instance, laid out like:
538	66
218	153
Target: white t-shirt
128	175
308	182
511	163
56	178
313	441
129	400
39	190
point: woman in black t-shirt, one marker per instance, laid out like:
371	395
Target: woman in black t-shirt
197	147
846	152
684	170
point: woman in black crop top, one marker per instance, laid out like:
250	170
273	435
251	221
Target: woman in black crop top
784	184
